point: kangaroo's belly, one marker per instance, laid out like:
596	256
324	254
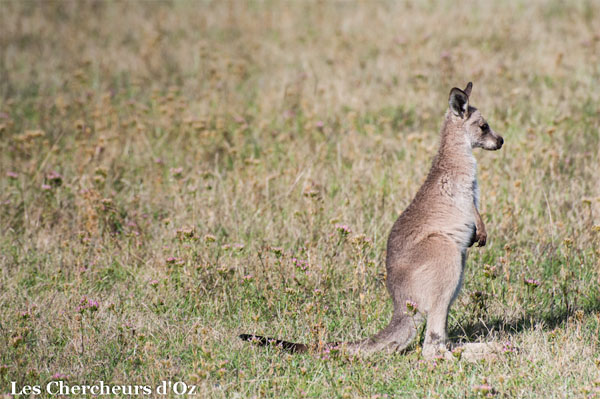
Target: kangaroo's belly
461	232
457	218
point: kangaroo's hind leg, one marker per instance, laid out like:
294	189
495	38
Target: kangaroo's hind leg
435	333
436	280
398	334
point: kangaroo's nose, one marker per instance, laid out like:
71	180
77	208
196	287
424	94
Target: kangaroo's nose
500	141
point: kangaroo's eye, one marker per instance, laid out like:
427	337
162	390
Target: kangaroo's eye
485	127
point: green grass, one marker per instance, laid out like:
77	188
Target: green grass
170	160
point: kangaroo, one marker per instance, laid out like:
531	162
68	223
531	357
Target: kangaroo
427	246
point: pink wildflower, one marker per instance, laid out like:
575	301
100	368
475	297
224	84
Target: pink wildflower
411	306
177	172
88	304
483	389
59	376
54	179
343	229
530	282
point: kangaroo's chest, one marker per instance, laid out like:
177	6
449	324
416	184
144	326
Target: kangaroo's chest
460	192
461	196
475	192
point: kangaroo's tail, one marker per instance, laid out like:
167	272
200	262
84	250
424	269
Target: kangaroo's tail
395	337
285	345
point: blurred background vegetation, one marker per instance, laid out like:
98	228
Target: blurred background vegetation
193	166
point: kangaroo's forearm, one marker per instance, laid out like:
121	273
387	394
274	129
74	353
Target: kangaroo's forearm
480	233
478	221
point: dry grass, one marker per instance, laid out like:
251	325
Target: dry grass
169	160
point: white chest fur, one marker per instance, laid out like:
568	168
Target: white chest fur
475	185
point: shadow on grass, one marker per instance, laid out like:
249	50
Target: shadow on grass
481	330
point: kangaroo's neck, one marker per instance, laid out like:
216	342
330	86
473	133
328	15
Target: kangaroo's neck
455	155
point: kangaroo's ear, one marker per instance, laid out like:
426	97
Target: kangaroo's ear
459	102
467	89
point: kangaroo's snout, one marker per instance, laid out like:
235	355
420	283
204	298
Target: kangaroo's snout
489	140
500	142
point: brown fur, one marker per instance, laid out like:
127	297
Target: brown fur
427	247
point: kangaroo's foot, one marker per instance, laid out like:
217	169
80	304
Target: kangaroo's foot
436	351
476	351
470	352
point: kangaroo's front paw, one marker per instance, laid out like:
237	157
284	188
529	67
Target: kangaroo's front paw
481	237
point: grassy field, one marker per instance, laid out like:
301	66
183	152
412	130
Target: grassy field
174	174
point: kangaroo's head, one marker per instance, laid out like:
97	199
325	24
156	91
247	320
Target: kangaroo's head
474	126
